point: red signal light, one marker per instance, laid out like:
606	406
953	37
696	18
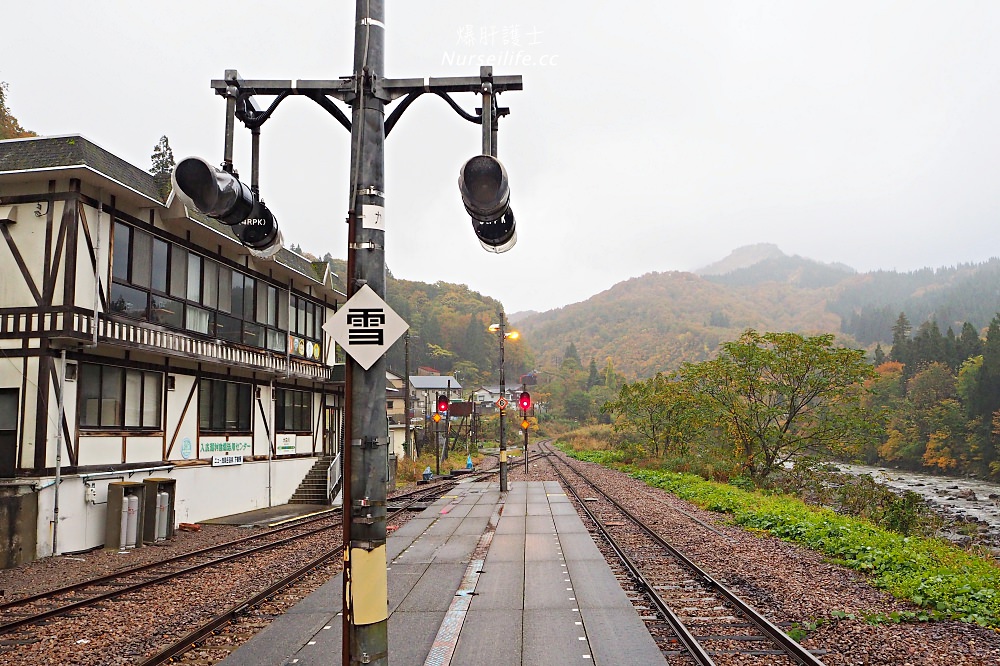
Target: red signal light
524	401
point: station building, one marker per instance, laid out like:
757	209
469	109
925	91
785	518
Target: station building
140	340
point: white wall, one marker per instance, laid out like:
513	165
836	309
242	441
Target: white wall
203	492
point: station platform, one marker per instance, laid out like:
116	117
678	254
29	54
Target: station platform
479	578
272	516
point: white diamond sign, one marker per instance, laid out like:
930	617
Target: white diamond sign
365	326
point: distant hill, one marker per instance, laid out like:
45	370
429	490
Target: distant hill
742	257
515	317
658	321
793	270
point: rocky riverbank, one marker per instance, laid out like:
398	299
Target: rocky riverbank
973	505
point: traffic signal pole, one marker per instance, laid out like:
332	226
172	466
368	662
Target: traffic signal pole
503	396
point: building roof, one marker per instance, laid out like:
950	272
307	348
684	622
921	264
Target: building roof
47	153
74	152
434	383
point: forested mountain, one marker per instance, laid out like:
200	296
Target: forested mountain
660	320
869	304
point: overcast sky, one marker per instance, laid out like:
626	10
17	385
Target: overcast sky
650	136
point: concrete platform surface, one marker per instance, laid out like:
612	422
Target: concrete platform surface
480	578
273	515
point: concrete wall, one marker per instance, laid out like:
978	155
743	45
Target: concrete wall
18	517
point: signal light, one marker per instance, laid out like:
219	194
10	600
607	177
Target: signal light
220	195
442	403
524	401
482	181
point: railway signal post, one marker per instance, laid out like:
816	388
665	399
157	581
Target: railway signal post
485	193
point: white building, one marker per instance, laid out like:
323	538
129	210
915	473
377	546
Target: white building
178	351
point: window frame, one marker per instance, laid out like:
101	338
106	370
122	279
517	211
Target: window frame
115	388
214	405
293	411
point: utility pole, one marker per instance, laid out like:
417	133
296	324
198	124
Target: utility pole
485	193
366	611
410	451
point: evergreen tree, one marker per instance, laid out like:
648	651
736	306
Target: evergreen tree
927	346
163	164
985	397
879	355
901	340
968	344
572	354
594	378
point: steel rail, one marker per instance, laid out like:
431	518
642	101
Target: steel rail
132	587
191	639
773	632
694	649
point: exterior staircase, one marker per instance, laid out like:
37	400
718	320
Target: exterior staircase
313	489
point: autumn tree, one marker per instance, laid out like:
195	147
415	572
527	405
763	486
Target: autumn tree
781	394
652	412
10	128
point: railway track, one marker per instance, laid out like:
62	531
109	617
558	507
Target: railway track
36	608
708	623
172	604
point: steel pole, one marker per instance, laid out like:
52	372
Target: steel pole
525	419
366	608
503	396
407	405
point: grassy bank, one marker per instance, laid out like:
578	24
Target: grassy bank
945	581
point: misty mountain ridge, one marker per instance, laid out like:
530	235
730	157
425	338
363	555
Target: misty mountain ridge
658	321
765	262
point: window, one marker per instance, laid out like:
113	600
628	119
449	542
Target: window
164	284
129	302
194	278
119	398
198	320
224	406
225	289
293	411
210	284
178	271
161	253
166	311
141	265
228	328
119	266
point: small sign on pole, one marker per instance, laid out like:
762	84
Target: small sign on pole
365	326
